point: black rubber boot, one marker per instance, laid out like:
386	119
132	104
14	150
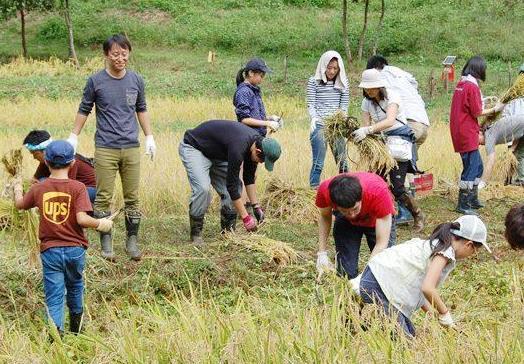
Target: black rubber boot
474	199
106	239
463	202
228	220
75	322
196	225
132	226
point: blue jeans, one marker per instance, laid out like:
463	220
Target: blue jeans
63	272
318	147
472	169
91	191
371	292
348	238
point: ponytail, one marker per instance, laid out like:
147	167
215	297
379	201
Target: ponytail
443	235
241	76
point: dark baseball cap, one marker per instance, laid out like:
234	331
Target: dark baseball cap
59	152
257	64
272	151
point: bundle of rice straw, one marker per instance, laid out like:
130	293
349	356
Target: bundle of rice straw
283	201
277	251
373	152
12	161
505	166
514	92
23	225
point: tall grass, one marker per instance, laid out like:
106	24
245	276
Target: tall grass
164	187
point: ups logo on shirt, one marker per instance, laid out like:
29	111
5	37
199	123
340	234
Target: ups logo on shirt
56	206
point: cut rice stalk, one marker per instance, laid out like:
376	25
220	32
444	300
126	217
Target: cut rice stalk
12	161
277	251
283	201
373	153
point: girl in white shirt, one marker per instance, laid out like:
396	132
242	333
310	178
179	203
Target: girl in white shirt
405	277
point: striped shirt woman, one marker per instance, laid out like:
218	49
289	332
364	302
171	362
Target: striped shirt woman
327	92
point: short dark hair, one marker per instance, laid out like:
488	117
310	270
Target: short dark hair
475	66
36	137
119	39
514	222
52	165
345	191
376	61
258	145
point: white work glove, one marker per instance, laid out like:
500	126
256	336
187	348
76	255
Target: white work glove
482	184
104	225
273	125
361	133
150	146
499	106
313	124
355	284
278	119
446	320
73	140
323	263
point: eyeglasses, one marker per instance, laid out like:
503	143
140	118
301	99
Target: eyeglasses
119	55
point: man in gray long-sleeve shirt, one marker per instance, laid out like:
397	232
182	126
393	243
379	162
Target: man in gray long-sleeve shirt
119	96
213	154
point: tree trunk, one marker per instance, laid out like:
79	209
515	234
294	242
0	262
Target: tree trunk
22	22
380	25
364	28
71	39
345	30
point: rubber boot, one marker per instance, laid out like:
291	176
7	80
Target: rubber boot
75	322
403	217
132	225
106	239
418	216
196	224
228	220
474	198
463	202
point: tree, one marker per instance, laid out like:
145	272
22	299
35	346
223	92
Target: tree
10	8
345	30
380	26
64	6
363	33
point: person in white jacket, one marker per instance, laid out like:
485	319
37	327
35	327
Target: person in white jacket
405	84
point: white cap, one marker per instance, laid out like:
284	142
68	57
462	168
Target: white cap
371	79
472	228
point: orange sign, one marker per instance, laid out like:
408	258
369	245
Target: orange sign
56	207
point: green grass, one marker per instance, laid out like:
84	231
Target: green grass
222	303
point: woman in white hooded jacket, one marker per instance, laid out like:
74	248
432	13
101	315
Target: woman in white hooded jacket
327	92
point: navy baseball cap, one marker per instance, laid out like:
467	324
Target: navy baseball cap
257	64
59	152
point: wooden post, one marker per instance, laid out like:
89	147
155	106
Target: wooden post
431	84
509	74
285	69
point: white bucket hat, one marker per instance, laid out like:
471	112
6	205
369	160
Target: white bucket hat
371	79
472	228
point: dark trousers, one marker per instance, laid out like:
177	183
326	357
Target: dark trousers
397	178
472	169
371	292
348	238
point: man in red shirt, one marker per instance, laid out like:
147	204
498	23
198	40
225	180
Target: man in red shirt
362	205
63	205
82	170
